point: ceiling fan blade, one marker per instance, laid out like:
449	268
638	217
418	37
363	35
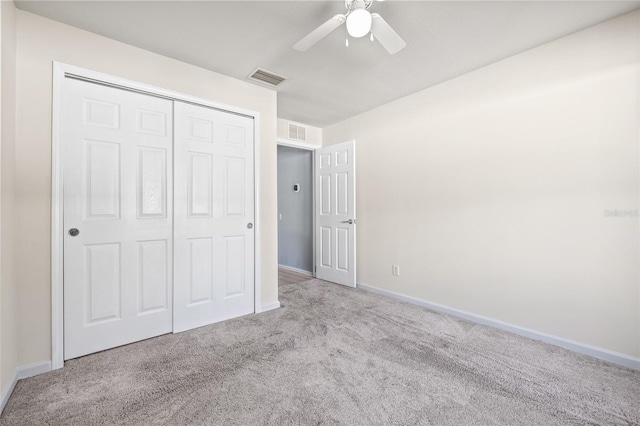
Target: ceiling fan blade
387	37
319	33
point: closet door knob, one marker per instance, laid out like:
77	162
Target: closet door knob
249	225
73	232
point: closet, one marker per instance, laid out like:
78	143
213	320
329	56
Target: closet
158	213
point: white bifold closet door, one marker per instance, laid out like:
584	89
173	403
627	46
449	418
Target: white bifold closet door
214	216
117	174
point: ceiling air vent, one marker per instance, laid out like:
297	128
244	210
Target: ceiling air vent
298	133
267	78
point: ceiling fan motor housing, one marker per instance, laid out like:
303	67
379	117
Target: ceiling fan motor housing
352	4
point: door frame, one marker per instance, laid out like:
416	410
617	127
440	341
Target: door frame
62	71
307	147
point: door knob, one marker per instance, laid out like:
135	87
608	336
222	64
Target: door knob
249	225
350	221
73	232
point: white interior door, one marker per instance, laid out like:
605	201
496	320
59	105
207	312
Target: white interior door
214	216
116	162
335	213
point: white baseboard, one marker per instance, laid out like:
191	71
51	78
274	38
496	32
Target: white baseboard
22	373
6	392
33	369
291	268
583	348
270	306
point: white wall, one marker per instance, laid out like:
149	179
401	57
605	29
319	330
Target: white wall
313	134
8	284
40	42
490	190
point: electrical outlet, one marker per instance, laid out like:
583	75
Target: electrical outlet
395	270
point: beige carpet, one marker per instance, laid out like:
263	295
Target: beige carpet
333	355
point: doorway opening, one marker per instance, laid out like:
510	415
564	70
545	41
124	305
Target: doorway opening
295	212
317	226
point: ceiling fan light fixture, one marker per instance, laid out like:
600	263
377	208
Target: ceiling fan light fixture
359	22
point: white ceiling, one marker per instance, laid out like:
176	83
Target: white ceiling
331	82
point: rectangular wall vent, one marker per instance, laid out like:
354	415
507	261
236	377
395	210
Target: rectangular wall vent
267	77
298	133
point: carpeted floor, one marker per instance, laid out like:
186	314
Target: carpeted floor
333	355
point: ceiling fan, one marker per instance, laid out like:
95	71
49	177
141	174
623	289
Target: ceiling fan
360	22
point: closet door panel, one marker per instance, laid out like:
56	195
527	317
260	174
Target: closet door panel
214	216
117	180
